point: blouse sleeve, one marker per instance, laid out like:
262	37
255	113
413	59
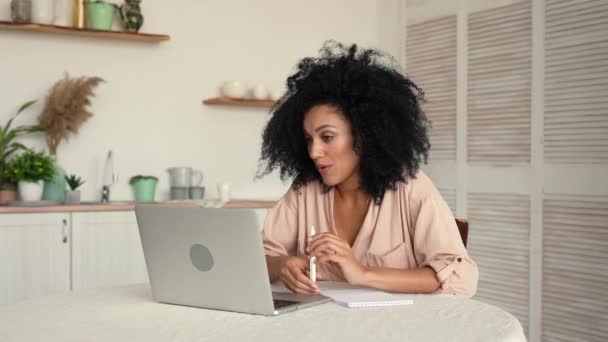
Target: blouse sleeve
437	244
280	232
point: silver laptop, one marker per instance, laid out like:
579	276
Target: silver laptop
211	258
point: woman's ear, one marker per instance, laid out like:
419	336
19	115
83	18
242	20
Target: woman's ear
357	144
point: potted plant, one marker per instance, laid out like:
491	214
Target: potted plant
144	187
9	146
72	196
30	170
8	193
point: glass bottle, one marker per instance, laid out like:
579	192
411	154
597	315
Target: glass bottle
78	16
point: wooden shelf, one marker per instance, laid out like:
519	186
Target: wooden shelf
129	206
29	27
225	101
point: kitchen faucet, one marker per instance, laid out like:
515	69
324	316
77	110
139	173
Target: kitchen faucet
105	194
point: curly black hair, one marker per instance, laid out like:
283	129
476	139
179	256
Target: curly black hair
382	105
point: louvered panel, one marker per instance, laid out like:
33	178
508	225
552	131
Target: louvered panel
449	195
507	81
575	74
567	57
499	243
581	159
429	29
568	118
431	63
576	82
483	52
498	16
499	85
575	268
564	112
560	5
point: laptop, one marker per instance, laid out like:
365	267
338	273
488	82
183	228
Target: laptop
211	258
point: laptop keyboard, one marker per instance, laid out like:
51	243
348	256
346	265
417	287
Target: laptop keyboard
280	303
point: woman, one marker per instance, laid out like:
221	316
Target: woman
351	134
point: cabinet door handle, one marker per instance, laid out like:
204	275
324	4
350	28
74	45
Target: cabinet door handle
64	231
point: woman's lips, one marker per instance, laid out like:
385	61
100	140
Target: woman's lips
324	169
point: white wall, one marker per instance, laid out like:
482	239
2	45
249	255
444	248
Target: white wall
149	111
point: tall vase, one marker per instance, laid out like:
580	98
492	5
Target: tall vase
54	190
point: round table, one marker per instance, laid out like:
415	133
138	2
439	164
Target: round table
128	313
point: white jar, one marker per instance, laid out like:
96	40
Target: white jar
43	11
223	192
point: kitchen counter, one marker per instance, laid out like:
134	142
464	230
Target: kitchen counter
127	206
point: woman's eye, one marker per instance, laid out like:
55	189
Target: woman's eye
327	138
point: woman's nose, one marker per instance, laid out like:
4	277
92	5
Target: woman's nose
314	150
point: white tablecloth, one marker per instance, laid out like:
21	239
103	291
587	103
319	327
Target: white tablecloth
129	314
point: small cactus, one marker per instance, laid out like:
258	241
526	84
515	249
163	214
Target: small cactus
74	182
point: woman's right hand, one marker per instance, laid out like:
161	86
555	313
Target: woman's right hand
294	274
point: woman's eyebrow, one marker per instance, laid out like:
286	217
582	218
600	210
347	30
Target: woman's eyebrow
324	126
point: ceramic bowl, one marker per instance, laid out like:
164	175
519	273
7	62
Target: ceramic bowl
234	89
274	95
259	92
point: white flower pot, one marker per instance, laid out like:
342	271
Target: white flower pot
30	192
72	197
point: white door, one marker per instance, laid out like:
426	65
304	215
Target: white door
34	255
106	250
516	90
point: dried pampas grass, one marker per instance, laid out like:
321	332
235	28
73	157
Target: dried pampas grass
65	109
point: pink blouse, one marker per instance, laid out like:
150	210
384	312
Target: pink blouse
411	228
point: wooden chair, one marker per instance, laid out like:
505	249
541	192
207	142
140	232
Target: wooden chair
463	228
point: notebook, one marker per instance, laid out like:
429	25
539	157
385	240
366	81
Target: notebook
359	298
351	296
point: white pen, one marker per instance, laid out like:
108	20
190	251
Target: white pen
312	266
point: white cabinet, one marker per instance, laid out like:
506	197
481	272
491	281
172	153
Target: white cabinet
34	255
106	250
56	252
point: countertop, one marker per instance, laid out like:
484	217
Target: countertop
129	206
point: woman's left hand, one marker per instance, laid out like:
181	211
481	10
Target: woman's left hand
327	247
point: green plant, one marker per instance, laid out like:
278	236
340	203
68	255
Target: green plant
7	185
74	181
31	167
134	179
101	2
9	145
